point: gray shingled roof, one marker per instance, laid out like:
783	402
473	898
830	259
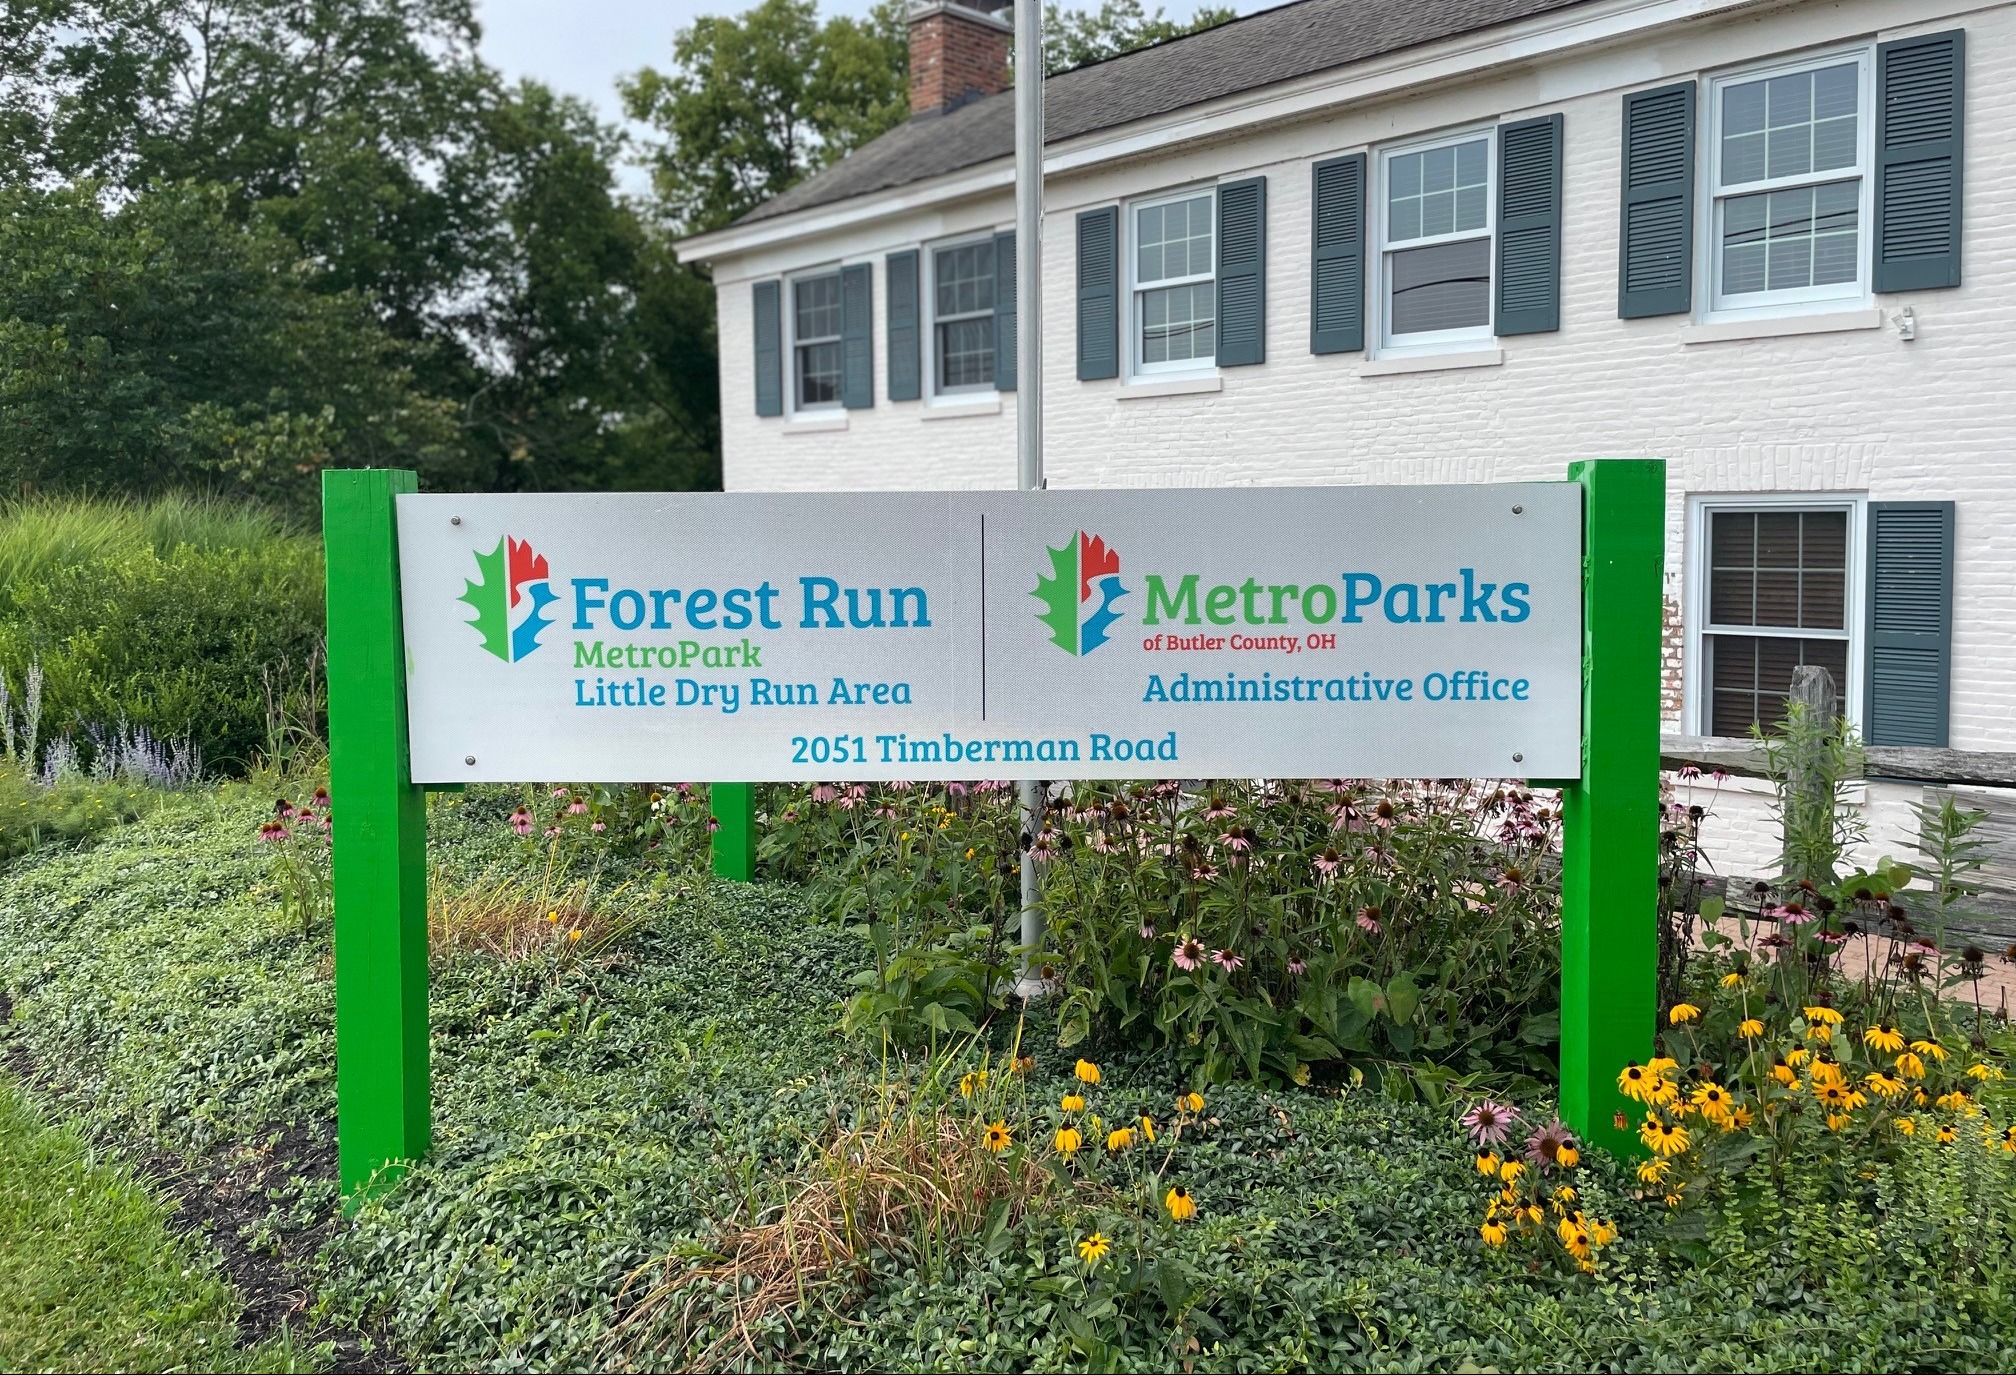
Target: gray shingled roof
1262	49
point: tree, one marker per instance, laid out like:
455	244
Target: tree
757	102
167	344
1072	38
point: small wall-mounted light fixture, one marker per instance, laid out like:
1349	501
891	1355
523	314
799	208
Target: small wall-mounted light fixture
1906	321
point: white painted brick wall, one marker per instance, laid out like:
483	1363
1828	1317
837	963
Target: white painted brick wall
1861	412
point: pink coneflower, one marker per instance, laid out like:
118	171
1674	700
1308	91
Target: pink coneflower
1328	863
559	792
1188	954
1235	840
1218	810
552	831
1147	930
901	785
1045	847
1385	814
272	832
855	795
685	791
955	789
824	792
886	812
1794	914
1511	880
790	815
1297	967
1689	772
1832	937
283	809
322	798
1368	920
713	824
1227	961
577	808
305	817
598	827
1102	844
1489	1122
521	821
1168	787
1544	1146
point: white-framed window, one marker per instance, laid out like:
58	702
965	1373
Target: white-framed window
1772	584
1437	204
815	341
1172	282
961	292
1790	187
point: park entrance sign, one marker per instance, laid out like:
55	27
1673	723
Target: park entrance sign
1331	632
1502	631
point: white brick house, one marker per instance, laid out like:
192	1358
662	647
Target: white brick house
1394	241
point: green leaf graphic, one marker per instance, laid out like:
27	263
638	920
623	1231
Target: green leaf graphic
1060	595
486	599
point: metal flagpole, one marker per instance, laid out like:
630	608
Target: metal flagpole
1029	70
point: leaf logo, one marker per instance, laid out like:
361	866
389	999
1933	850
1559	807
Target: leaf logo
1079	594
509	596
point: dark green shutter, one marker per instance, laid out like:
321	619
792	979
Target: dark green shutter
1655	247
1910	622
1529	226
768	329
1098	293
1337	273
1242	272
1004	310
857	337
1920	98
905	360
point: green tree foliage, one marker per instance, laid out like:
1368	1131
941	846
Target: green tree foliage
757	102
268	236
1072	38
168	344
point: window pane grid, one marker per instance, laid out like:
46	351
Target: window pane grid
815	308
1783	570
1179	323
1437	191
1792	136
963	335
1174	240
1750	677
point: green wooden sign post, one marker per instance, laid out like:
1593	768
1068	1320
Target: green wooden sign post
1610	818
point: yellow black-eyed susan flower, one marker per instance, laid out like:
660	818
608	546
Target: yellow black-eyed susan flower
1713	1100
1983	1072
1733	979
1683	1012
1784	1073
1885	1085
1663	1138
1910	1066
1822	1016
1908	1126
1119	1139
1487	1163
1192	1101
1884	1037
1067	1140
1567	1157
1636	1082
1181	1206
1493	1233
1093	1249
1087	1072
1750	1028
1574	1238
1654	1170
1511	1170
1947	1135
1073	1102
971	1082
998	1138
1148	1129
1930	1048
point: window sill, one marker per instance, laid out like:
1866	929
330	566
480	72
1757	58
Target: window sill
1779	326
815	423
953	410
1170	386
1432	362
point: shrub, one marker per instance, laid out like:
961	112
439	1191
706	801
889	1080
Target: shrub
188	644
74	808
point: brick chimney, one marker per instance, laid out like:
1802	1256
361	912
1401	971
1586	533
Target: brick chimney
958	52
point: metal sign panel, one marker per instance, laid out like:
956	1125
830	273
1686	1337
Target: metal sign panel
1290	632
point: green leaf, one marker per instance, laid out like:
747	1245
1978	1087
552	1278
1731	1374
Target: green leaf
1402	997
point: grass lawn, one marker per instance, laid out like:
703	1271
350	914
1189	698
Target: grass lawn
92	1277
600	1111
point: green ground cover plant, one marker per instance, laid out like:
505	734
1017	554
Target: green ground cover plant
625	1121
91	1275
